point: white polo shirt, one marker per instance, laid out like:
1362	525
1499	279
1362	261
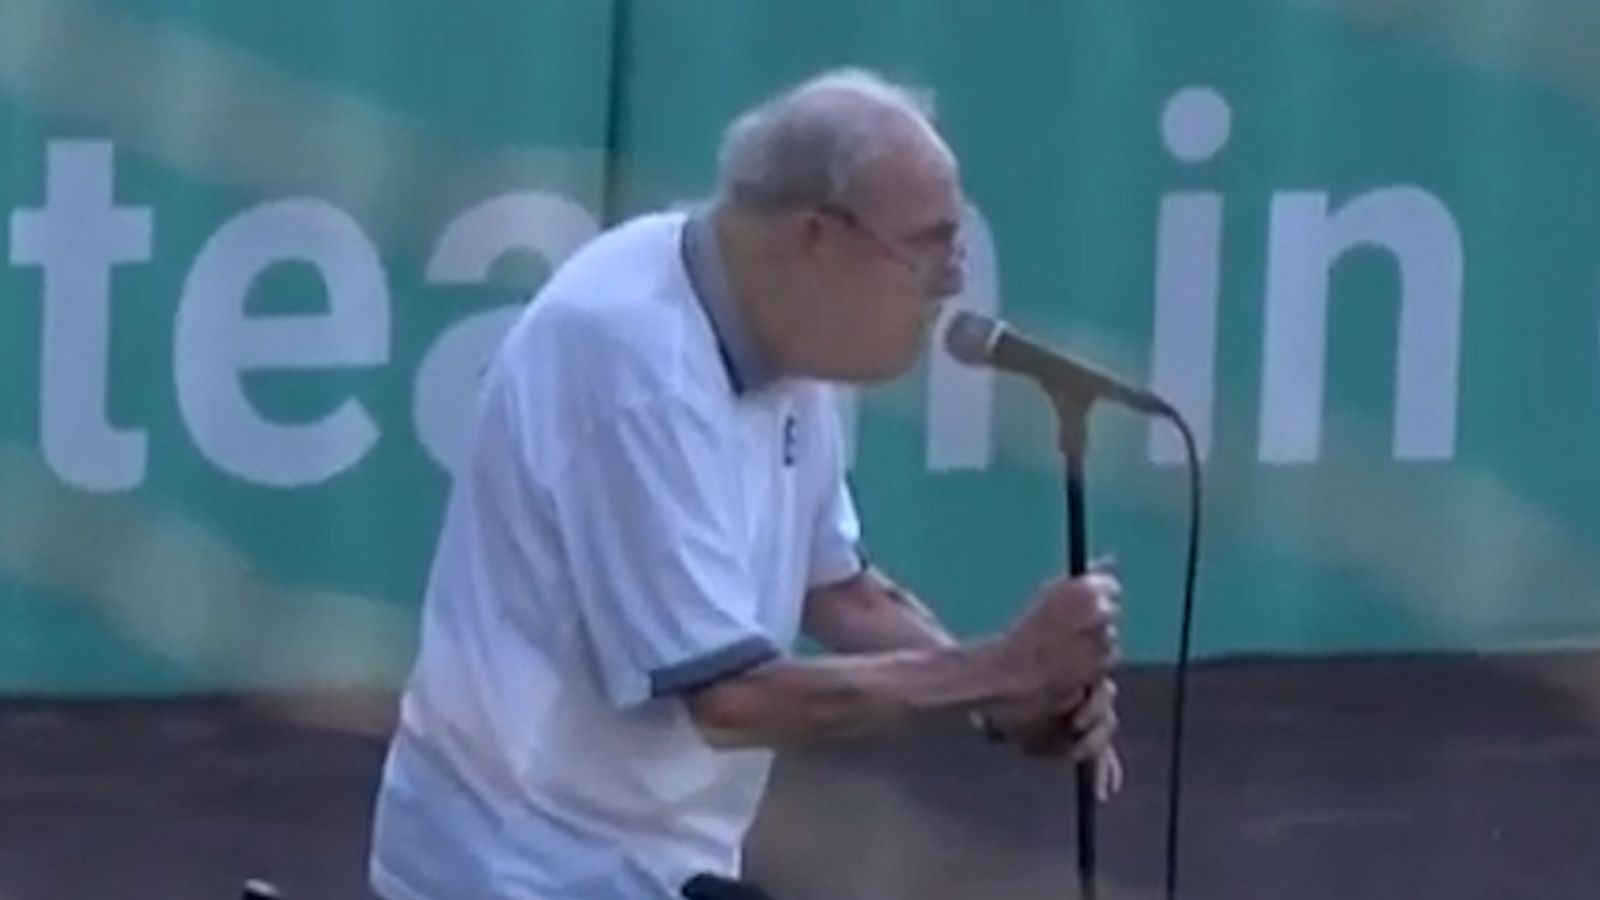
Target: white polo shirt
642	510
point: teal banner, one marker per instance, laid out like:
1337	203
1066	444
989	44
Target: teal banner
252	256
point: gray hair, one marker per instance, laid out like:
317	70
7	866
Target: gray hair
806	146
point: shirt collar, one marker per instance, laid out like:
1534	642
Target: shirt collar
747	369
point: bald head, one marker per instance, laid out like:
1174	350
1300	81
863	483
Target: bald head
822	142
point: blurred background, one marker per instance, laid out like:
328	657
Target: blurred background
254	254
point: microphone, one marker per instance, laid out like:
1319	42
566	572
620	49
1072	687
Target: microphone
978	340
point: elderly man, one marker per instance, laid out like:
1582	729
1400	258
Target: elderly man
654	509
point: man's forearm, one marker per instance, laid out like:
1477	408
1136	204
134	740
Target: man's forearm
1048	657
897	663
871	614
800	701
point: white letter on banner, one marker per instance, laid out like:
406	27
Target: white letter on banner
216	343
550	226
1421	234
76	237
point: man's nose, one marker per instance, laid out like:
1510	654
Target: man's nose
949	279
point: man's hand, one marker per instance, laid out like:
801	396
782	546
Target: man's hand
1087	732
1074	734
1060	648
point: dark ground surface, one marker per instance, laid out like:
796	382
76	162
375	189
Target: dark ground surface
1394	778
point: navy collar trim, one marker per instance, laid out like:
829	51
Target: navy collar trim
708	277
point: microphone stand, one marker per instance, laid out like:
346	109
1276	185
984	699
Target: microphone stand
1072	413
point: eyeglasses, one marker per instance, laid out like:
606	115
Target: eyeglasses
934	255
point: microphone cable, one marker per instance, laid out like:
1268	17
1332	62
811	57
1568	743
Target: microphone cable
1185	640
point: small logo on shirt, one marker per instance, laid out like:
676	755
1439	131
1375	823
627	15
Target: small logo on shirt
790	439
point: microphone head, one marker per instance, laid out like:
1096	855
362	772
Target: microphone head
975	339
970	337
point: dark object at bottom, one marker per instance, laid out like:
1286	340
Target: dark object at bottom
715	887
256	889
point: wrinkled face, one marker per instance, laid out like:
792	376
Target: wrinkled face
880	264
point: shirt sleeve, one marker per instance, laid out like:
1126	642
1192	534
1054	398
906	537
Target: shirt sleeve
649	510
836	547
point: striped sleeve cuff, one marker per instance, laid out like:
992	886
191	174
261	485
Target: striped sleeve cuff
724	662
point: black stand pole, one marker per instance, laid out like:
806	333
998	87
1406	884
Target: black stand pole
1073	413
